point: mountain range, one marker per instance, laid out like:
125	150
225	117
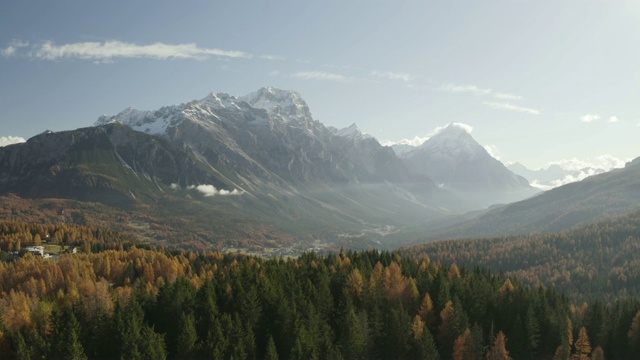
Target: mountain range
258	170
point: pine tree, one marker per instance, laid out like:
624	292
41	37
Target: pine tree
532	331
66	336
272	352
187	337
425	347
634	334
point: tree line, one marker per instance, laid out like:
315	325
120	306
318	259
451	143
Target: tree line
593	262
135	303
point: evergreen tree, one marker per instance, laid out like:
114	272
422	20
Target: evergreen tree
66	336
187	337
634	335
272	352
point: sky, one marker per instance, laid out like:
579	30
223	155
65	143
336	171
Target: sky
539	81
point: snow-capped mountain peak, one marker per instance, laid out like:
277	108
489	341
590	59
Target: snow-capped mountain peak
283	102
352	132
219	101
452	140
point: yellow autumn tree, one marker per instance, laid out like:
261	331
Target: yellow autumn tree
498	350
427	311
355	285
417	327
463	347
582	346
394	282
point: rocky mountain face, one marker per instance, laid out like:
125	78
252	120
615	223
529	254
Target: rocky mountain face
269	136
173	165
110	164
455	161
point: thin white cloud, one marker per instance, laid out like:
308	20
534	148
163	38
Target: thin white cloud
511	107
477	90
416	141
493	151
465	127
613	119
13	47
110	50
472	89
271	57
505	96
320	75
10	140
419	140
589	117
392	75
274	73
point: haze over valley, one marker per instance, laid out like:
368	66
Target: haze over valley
319	180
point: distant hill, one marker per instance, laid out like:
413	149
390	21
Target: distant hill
597	261
613	193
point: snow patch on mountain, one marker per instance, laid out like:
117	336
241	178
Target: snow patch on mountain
286	103
352	132
150	122
280	105
220	101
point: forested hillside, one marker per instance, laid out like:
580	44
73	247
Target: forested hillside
135	303
597	261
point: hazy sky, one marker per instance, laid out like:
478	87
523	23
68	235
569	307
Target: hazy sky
539	81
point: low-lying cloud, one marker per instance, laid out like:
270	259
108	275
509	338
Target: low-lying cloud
10	140
605	162
210	190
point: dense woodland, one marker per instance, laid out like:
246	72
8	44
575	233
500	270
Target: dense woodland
132	303
596	261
